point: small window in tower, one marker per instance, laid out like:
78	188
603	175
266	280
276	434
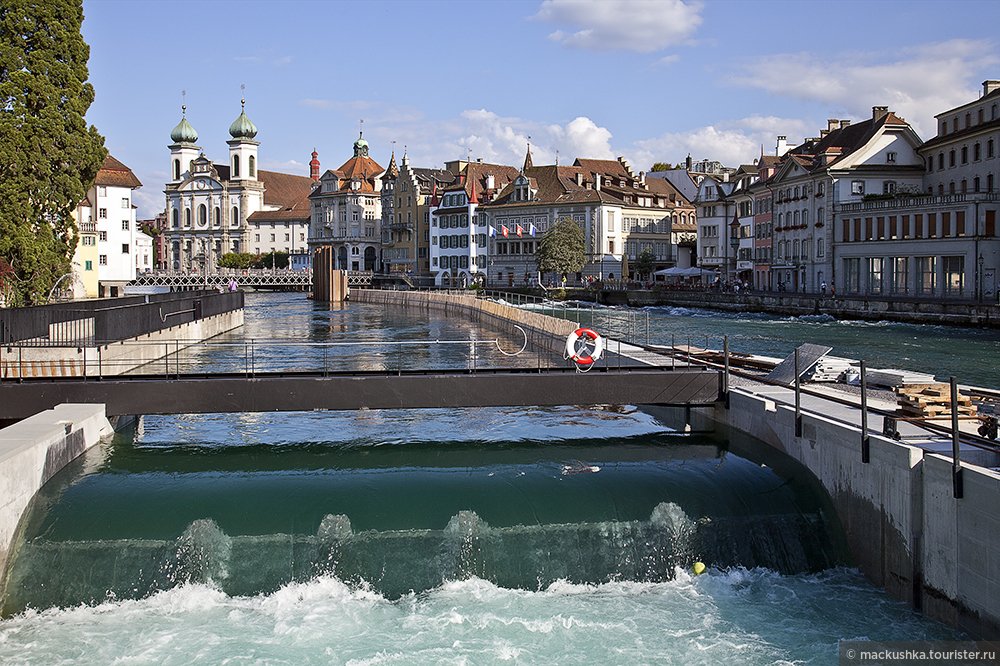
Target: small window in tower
253	173
236	166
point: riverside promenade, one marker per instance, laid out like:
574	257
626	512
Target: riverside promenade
911	529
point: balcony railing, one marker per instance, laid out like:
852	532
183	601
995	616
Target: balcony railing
906	202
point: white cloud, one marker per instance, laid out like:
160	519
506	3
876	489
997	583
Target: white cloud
916	83
666	61
643	26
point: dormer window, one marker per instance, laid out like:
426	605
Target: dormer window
890	158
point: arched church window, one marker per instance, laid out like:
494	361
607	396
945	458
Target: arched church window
177	169
187	217
176	218
236	166
235	219
202	215
218	216
252	173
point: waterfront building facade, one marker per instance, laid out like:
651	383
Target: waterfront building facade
939	240
714	215
110	250
214	209
346	212
407	193
622	215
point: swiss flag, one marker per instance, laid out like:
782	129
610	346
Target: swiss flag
505	231
519	231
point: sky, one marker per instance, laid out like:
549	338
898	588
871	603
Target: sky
649	80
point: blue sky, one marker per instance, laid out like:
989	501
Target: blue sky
652	80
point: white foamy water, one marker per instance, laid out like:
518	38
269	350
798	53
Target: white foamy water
722	617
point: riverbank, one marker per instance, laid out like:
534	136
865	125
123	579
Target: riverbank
871	308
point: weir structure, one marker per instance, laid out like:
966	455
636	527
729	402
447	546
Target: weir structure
910	528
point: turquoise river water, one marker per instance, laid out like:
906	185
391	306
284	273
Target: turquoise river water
474	536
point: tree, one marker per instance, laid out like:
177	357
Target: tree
238	260
562	249
49	158
645	262
661	166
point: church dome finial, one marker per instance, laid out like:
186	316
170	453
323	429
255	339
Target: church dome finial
361	146
183	133
242	128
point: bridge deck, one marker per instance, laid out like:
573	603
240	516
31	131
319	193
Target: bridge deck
352	391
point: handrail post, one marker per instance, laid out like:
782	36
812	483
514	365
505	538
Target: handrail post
798	397
958	489
725	374
865	441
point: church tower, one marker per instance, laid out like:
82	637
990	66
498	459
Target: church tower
183	150
242	148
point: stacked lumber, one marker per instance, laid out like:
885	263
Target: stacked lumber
931	400
828	369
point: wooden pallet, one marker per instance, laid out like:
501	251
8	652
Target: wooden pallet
931	400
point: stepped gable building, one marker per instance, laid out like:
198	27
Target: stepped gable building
111	249
458	232
347	212
822	182
621	214
406	222
214	209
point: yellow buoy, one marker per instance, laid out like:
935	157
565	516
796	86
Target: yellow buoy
698	568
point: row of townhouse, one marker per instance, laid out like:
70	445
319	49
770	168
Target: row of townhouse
867	208
111	249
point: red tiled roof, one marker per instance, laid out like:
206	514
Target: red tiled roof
116	174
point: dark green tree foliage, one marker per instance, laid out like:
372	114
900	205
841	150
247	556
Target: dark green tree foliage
645	262
562	249
49	158
662	166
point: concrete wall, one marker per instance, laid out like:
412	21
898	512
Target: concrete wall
31	452
114	358
542	330
906	531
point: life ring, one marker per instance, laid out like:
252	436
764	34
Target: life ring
574	355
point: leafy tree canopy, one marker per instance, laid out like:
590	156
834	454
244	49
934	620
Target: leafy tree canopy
662	166
563	248
644	262
49	158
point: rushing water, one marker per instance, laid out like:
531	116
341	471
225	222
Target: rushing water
471	536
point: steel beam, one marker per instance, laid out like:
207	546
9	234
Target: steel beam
307	392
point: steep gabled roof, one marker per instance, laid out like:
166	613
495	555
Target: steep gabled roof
115	174
285	190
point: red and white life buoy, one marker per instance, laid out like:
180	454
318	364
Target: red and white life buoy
577	356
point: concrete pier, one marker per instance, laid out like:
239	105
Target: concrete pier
31	452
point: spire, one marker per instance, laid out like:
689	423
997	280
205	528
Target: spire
472	196
314	166
391	171
527	157
183	133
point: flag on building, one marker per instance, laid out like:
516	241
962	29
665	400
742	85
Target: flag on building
505	231
519	231
533	230
493	232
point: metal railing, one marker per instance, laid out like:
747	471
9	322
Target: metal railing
86	323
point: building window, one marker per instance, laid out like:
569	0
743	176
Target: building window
852	275
124	248
965	154
989	148
889	187
175	218
977	152
890	158
124	202
102	213
926	275
900	274
252	167
177	169
88	265
187	217
202	215
940	161
236	166
124	225
102	235
954	275
857	187
234	220
102	260
951	156
875	275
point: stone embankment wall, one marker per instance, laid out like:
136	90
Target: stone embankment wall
909	310
113	358
906	530
31	452
542	330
